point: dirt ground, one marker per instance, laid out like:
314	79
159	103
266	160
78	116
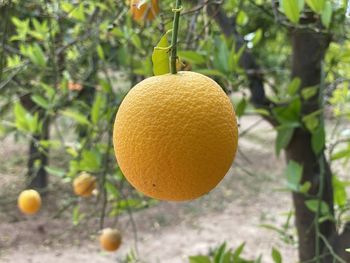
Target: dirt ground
250	195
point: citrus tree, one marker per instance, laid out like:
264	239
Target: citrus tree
66	67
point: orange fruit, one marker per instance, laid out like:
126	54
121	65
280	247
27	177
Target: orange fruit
29	202
110	239
84	184
147	11
175	136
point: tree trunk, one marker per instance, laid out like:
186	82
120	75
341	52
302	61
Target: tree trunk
308	49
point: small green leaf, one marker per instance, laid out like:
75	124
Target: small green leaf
326	16
160	57
276	255
240	108
236	254
90	161
96	108
284	135
112	190
242	18
55	171
318	139
41	101
293	173
100	52
291	10
311	122
192	56
294	86
316	5
308	93
340	195
313	204
257	37
78	117
199	259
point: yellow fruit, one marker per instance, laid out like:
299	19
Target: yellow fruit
175	136
84	184
110	239
29	202
147	11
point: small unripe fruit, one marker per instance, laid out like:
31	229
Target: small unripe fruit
29	202
84	184
110	239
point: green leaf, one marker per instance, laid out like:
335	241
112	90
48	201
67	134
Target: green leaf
90	161
257	37
100	52
291	10
341	154
223	56
339	192
276	255
41	101
96	108
289	114
199	259
311	121
318	139
309	92
211	72
236	254
112	189
326	16
313	204
36	55
76	216
241	106
316	5
284	135
160	57
78	117
55	171
219	253
20	117
78	12
293	173
192	56
294	86
242	18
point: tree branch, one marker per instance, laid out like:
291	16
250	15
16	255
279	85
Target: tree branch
247	61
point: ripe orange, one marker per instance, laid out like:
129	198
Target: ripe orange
110	239
29	202
175	136
147	11
84	184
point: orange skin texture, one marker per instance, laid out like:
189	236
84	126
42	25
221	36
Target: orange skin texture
110	239
175	136
146	12
29	202
84	185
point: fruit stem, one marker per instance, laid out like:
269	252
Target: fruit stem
177	11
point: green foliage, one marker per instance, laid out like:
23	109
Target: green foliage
222	254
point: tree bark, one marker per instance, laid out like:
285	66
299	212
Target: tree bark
308	49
